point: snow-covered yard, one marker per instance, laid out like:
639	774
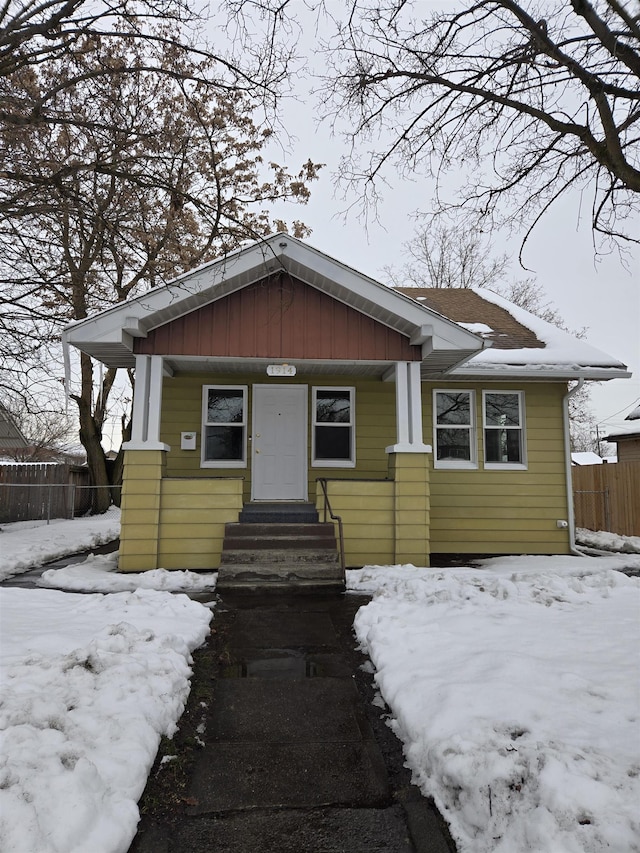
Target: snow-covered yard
515	690
513	686
27	544
89	684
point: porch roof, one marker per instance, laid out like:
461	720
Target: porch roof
109	336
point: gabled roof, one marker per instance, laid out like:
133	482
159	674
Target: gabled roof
10	436
521	343
463	333
108	336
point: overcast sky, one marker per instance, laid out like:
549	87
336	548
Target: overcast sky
597	293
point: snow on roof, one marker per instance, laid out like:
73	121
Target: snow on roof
560	348
477	328
634	414
586	457
520	342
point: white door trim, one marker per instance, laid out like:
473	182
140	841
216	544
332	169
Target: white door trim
301	489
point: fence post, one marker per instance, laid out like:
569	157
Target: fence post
73	500
48	503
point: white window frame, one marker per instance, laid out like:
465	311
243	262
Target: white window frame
505	466
224	463
333	463
460	464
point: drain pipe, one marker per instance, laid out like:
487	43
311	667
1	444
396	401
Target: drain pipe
571	518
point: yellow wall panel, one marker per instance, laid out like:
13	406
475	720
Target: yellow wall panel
475	511
502	511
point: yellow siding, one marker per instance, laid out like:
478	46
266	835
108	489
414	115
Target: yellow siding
173	524
375	425
411	507
493	512
366	509
395	509
139	529
192	518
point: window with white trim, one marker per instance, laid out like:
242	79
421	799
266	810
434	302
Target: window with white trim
503	413
333	430
454	429
224	426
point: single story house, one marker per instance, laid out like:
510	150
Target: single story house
434	421
11	439
627	444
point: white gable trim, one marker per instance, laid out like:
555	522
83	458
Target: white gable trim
109	336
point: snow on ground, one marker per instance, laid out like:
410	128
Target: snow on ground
513	685
608	541
89	684
98	573
27	544
514	688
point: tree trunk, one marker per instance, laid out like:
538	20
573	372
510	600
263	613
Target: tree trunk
90	438
117	467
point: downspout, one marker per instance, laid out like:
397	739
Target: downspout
567	453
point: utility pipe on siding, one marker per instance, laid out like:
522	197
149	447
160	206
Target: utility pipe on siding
567	453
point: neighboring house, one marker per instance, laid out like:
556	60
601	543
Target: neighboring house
11	439
438	418
628	444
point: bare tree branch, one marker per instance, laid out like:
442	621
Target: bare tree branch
521	108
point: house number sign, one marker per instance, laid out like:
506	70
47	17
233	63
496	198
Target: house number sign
281	370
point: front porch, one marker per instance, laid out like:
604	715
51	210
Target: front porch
179	522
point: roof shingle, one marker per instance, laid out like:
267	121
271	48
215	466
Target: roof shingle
466	306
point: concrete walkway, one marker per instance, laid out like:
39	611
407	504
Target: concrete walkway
281	749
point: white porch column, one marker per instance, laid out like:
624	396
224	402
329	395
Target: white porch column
402	403
414	404
147	405
408	409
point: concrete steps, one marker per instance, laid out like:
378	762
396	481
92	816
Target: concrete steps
279	512
267	554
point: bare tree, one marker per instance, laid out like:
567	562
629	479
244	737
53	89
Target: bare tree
444	256
48	430
155	173
519	102
44	46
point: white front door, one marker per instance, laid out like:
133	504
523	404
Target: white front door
279	443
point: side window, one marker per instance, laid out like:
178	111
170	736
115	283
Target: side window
333	430
454	429
503	413
224	419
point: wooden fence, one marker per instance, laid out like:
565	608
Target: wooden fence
39	490
607	497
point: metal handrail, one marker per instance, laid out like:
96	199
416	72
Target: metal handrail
333	517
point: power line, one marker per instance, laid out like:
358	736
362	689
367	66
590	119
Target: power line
623	409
